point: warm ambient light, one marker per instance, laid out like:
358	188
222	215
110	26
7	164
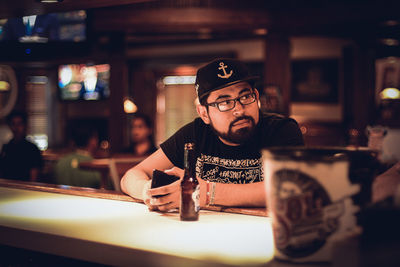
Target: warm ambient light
260	31
129	106
49	1
4	86
171	80
390	41
391	23
390	93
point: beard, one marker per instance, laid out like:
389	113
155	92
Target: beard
239	136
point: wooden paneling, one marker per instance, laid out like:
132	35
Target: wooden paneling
359	81
277	66
178	20
334	18
323	134
119	89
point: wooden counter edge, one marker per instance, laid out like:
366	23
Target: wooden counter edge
113	195
69	190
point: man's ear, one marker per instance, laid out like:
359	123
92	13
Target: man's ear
257	93
257	97
202	111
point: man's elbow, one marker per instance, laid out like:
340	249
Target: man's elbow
124	181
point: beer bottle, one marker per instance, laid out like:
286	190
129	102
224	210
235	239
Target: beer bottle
190	188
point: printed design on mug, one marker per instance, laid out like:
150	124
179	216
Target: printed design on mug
303	213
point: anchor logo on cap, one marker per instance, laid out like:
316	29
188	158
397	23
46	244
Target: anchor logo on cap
223	68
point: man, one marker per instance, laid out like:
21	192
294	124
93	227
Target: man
20	159
228	137
67	171
141	136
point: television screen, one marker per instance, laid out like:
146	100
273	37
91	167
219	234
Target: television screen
84	81
52	27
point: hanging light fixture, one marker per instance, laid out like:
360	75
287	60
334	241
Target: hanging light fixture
129	106
4	86
390	93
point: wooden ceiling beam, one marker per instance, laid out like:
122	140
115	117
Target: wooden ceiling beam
341	20
339	17
170	20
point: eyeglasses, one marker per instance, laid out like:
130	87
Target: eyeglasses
229	104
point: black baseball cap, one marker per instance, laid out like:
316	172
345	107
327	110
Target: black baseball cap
220	73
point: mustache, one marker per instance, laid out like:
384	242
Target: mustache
241	118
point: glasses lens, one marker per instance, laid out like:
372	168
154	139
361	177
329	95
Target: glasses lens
226	105
230	104
247	99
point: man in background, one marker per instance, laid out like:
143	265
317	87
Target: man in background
141	136
67	171
19	158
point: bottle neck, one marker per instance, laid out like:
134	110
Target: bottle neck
190	163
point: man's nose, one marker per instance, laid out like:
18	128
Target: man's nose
238	110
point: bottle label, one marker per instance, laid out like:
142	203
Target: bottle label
196	198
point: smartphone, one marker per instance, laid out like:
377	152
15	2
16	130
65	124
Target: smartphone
160	178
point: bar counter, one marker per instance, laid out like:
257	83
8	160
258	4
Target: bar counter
110	228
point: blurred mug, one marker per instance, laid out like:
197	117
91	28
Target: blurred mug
313	198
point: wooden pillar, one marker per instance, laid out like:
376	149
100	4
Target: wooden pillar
277	66
359	89
117	117
144	91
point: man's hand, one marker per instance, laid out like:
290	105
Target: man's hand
164	198
146	196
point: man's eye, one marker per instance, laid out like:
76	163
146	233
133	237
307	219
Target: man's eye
225	103
245	96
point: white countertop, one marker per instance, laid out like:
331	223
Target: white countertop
118	232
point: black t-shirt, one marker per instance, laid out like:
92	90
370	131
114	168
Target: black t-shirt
218	162
18	158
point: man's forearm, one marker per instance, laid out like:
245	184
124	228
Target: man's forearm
244	195
133	182
136	178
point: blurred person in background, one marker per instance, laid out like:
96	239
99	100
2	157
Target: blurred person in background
271	99
141	136
67	171
20	159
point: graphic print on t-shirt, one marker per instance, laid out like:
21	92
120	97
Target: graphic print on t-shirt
236	171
